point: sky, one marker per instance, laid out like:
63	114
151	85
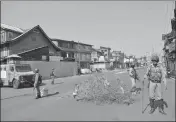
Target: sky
133	27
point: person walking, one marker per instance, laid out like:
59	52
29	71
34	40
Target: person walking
52	75
155	74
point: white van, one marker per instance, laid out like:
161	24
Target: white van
16	75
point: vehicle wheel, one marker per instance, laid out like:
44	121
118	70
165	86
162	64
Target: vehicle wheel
16	84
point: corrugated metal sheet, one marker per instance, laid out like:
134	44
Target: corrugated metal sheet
11	28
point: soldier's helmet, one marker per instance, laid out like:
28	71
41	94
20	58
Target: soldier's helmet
155	58
36	70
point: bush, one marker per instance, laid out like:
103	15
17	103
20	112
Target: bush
99	90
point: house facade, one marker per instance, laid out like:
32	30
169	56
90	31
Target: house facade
106	52
170	51
80	52
32	44
118	59
96	53
68	48
170	47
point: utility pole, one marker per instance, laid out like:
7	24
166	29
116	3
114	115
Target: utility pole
79	54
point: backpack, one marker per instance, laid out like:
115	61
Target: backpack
135	75
155	75
39	78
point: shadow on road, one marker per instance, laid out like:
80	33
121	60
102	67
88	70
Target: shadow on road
17	96
58	83
49	95
29	95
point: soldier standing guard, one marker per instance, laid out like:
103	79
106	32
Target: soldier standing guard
155	75
52	76
133	75
37	83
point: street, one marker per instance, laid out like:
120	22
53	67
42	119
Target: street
20	105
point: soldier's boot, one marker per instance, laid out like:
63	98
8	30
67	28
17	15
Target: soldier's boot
152	106
161	108
38	96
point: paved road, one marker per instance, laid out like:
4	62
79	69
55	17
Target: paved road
21	105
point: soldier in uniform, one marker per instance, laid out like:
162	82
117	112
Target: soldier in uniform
37	83
155	74
133	75
52	76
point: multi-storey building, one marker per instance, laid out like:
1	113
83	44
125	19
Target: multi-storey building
170	47
96	53
106	52
80	52
170	51
118	59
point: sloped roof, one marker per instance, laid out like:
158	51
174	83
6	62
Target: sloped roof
31	50
101	47
4	26
29	30
67	49
73	50
97	50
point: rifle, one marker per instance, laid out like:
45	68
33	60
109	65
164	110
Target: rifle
145	108
143	96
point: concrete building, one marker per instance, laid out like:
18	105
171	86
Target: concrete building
95	55
170	47
106	52
80	52
118	59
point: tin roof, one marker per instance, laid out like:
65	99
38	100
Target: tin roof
25	32
4	26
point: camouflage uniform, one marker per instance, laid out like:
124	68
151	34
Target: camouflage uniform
155	75
37	84
52	76
133	76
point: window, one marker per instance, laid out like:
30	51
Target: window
35	31
44	58
10	35
65	45
3	37
4	52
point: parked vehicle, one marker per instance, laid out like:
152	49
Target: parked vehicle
16	75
